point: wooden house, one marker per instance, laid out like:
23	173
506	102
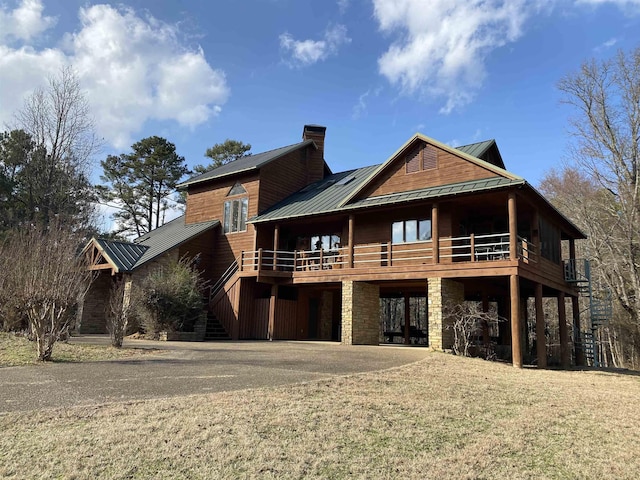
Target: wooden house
295	251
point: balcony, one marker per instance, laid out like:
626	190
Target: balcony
378	256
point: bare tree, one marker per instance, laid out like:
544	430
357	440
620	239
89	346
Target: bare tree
44	281
52	176
605	96
468	322
119	310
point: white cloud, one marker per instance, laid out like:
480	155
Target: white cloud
307	52
622	4
360	108
23	22
343	5
133	69
442	45
606	45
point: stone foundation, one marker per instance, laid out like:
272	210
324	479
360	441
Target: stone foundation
440	291
360	313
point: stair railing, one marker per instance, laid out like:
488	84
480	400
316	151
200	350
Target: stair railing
224	278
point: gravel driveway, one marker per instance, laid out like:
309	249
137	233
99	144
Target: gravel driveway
185	368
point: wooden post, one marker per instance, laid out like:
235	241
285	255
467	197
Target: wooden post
472	240
276	241
435	233
564	336
407	318
258	264
241	260
516	337
295	259
572	249
541	338
350	245
535	235
272	312
576	331
513	226
389	254
236	305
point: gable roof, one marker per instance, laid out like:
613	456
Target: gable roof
480	149
418	136
246	163
128	256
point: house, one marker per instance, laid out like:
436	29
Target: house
295	251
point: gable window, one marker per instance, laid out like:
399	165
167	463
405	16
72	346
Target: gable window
235	211
411	231
421	158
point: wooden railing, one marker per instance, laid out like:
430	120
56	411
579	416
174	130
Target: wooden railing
472	248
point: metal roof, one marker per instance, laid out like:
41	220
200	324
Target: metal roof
476	149
321	197
168	236
247	163
439	191
123	255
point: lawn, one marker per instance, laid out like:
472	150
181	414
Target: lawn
442	417
16	350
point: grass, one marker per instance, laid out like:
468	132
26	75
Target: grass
16	350
443	417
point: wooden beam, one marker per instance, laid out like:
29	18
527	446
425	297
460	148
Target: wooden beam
435	233
516	337
407	318
350	240
576	331
572	249
541	338
272	312
513	226
276	241
535	234
564	334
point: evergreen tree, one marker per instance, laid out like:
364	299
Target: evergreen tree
222	153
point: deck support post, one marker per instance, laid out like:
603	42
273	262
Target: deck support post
407	318
577	341
236	300
435	233
513	226
276	241
516	336
272	312
564	336
541	338
350	240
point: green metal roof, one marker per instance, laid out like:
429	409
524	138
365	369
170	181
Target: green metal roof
476	149
123	254
321	197
327	195
436	192
168	236
244	164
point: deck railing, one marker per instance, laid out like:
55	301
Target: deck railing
472	248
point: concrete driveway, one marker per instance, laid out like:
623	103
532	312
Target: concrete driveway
185	368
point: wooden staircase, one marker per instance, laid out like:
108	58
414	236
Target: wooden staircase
578	273
214	329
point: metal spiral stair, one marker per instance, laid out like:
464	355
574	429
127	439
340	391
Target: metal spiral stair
578	273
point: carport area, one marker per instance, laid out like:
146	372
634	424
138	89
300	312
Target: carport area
189	368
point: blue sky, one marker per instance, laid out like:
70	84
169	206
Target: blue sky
372	71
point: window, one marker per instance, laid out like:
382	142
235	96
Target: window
325	242
235	215
550	241
411	231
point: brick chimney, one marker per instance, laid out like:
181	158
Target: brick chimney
315	158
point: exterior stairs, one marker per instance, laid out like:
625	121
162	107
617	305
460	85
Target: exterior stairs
578	273
214	329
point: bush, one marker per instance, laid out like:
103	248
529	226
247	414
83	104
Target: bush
171	297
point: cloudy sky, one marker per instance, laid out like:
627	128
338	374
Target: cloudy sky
373	71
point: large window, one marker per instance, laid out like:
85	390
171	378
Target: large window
550	241
235	215
325	242
411	231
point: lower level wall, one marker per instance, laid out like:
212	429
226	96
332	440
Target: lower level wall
360	313
93	318
441	292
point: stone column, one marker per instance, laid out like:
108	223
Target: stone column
360	313
440	292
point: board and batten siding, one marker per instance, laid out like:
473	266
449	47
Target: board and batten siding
450	169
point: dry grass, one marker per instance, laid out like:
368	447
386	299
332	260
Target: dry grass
16	350
444	417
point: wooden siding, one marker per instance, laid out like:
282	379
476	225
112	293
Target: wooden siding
202	245
224	305
288	174
206	202
450	169
286	320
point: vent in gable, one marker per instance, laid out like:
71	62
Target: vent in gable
429	158
412	161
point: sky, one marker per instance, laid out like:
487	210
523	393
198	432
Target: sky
374	72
